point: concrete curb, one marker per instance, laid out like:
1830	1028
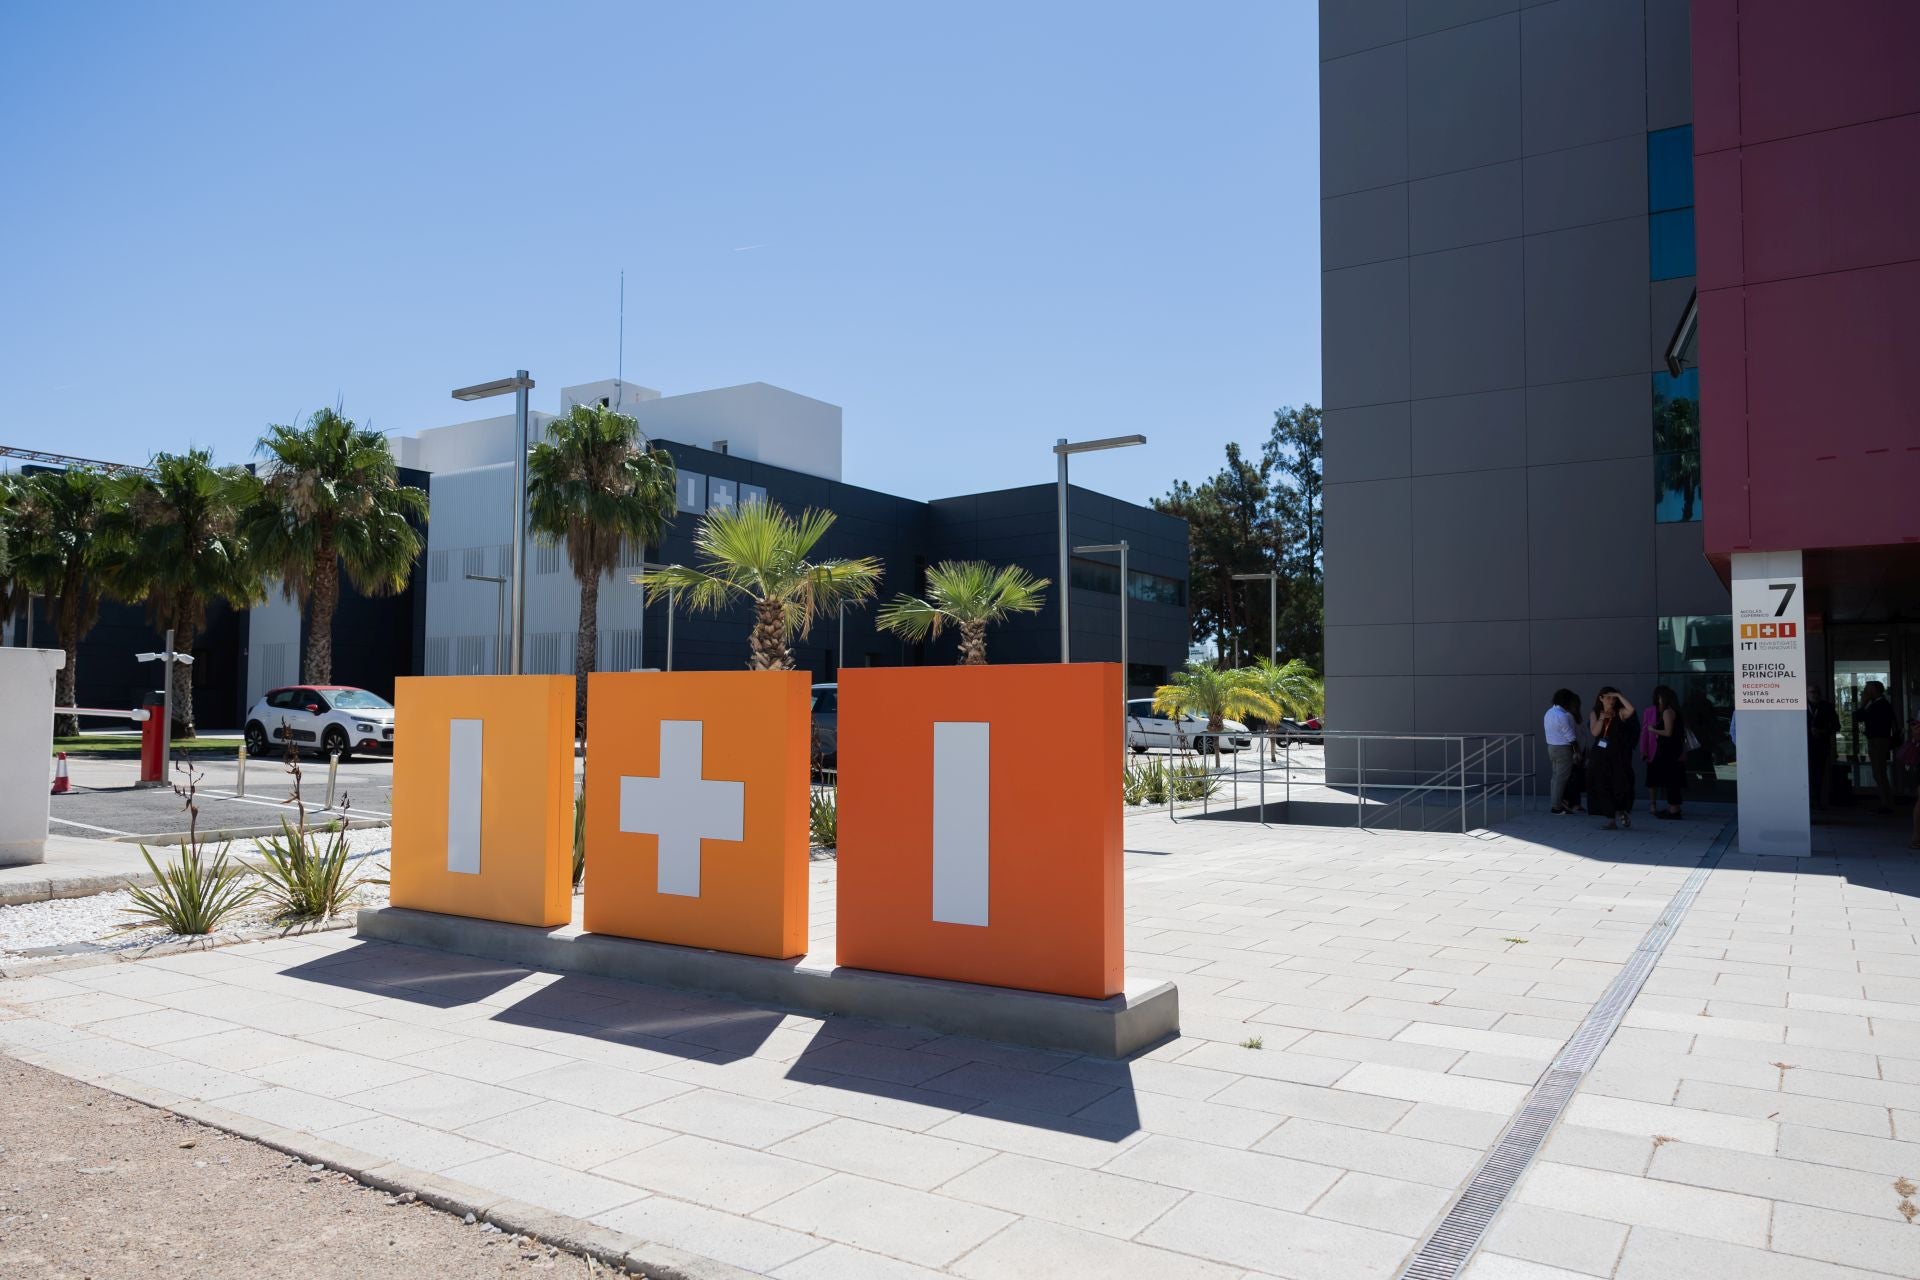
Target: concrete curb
56	964
576	1235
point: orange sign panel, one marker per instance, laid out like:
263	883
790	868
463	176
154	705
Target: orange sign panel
980	825
697	808
483	797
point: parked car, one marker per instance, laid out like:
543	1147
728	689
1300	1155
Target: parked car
1148	728
331	719
826	726
1307	730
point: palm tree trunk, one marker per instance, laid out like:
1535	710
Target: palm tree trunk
586	648
973	644
65	683
767	646
317	665
183	638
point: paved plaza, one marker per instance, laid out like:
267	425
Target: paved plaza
1363	1014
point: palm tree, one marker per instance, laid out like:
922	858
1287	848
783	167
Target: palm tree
969	594
1217	693
757	552
180	527
331	497
1293	686
594	485
64	526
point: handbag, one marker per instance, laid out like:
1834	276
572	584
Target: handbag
1649	740
1693	741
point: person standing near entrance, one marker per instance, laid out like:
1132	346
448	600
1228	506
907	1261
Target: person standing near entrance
1876	721
1562	733
1616	734
1667	767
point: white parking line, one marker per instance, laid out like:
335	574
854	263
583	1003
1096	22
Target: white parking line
88	826
285	804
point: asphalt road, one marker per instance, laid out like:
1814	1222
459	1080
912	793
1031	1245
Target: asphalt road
106	803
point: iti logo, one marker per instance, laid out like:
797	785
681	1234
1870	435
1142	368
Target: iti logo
1769	630
697	808
482	792
971	847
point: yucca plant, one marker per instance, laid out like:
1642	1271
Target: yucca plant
308	874
823	819
193	895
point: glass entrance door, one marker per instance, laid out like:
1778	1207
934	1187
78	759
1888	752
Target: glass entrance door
1861	655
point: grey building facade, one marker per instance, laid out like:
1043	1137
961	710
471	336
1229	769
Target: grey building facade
1506	251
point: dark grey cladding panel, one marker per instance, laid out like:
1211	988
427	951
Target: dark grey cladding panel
1363	120
1688	583
1471	648
1383	704
1471	206
1587	295
1348	26
1595	183
1380	650
1584	421
1470	546
1669	63
1476	704
1367	443
1424	16
1364	343
1369	552
1468	320
1367	226
1591	539
1469	433
1463	97
1583	73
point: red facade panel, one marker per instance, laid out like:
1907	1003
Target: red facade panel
1807	216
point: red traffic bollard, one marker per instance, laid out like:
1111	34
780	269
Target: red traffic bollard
153	765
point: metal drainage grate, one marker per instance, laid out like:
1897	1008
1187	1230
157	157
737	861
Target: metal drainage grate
1449	1247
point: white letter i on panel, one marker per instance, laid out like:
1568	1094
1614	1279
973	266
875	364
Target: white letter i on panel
464	750
960	758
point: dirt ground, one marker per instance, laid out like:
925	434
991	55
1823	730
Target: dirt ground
95	1187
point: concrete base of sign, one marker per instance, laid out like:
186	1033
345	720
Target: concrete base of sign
26	746
1143	1016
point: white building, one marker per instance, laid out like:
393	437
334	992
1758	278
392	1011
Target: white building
470	528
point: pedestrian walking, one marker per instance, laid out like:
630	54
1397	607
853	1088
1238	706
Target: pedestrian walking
1616	732
1562	733
1876	720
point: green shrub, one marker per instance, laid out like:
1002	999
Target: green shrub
308	874
194	895
579	839
1149	781
823	818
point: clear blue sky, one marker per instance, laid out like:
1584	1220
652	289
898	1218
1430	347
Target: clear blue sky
978	226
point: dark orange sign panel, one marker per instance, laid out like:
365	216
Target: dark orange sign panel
980	825
697	808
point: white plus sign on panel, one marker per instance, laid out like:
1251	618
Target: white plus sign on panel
682	808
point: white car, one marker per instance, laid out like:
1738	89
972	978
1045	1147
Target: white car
1148	728
331	719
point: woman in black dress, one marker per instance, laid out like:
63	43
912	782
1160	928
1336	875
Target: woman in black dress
1667	770
1616	733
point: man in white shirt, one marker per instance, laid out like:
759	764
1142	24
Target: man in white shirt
1563	738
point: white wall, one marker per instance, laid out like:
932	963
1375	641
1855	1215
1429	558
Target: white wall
758	421
273	644
622	397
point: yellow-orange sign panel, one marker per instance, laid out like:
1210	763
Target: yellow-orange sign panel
976	843
697	808
483	797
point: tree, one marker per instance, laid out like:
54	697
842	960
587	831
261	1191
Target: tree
968	594
756	552
180	528
64	524
330	498
1227	533
594	486
1216	692
1293	686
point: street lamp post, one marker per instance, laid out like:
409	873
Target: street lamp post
519	384
499	582
1120	547
1062	450
1273	609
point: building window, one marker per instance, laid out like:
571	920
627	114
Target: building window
1152	588
437	566
1148	588
1676	447
1695	659
548	556
1670	203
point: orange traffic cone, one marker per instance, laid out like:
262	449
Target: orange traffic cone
60	784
